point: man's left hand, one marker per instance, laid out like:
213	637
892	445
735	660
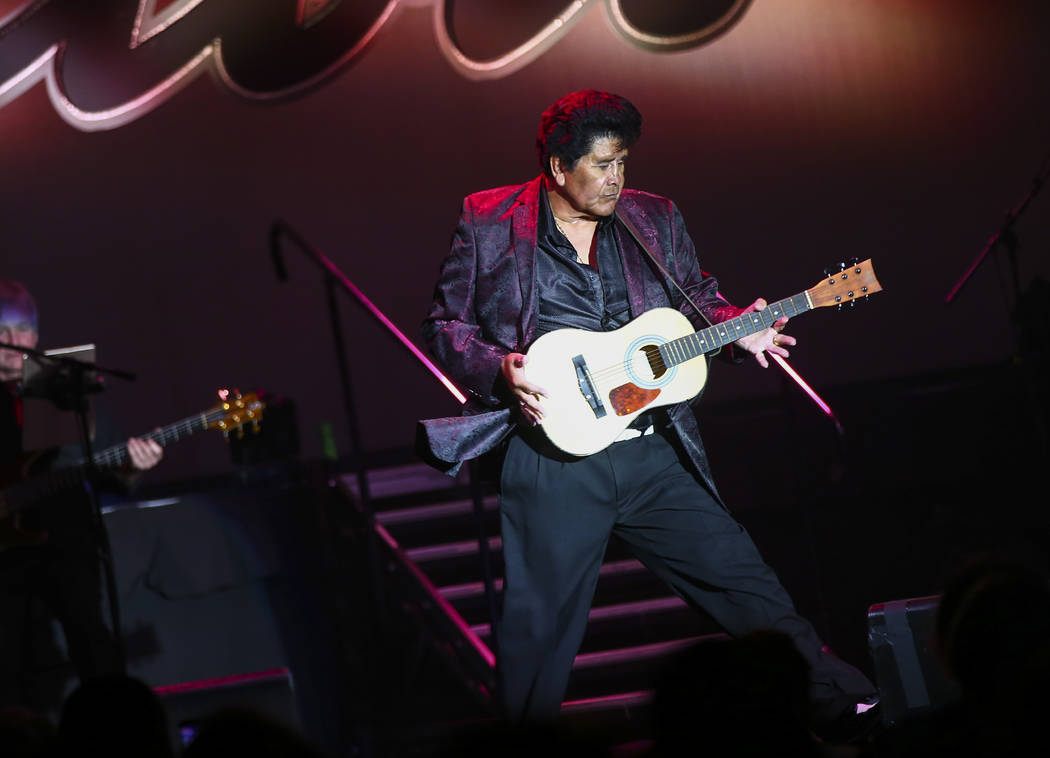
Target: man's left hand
144	454
771	340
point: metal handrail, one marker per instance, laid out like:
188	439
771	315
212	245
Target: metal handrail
334	276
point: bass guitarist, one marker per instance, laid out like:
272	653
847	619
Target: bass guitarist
61	576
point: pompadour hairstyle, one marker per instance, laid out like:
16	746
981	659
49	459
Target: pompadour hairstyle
569	127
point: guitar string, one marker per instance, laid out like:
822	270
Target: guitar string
58	480
796	304
717	335
185	427
161	436
713	335
684	347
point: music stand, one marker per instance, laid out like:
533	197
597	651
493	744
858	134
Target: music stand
45	423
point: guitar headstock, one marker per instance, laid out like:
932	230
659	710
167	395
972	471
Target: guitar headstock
234	412
850	283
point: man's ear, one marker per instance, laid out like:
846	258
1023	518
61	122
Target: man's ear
557	170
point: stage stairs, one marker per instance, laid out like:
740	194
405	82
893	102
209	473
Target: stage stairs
428	546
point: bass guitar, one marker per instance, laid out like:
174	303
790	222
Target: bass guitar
598	382
22	491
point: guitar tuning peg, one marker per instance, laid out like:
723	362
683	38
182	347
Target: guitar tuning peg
831	271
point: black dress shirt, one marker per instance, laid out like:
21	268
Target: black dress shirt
573	294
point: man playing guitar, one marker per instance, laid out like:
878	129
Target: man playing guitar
573	250
61	574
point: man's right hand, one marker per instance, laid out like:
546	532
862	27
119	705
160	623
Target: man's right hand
528	394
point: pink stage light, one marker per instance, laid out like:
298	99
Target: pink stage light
375	311
280	228
797	378
807	389
223	681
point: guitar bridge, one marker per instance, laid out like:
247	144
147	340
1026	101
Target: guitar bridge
587	388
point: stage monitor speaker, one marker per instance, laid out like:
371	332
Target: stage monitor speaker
908	673
269	693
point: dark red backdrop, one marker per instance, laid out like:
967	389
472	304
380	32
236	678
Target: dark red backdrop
803	133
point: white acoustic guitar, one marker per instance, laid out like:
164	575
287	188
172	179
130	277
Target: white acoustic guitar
598	382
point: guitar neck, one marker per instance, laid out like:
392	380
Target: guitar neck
112	457
721	334
27	493
231	414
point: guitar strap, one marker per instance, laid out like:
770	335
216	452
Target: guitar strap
633	230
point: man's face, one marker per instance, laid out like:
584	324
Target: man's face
19	333
594	186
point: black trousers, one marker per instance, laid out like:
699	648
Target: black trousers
557	515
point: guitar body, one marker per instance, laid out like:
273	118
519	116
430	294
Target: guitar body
617	369
21	468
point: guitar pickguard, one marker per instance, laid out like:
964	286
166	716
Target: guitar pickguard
628	398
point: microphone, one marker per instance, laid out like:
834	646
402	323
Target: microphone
275	250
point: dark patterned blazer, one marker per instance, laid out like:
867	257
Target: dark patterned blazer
485	306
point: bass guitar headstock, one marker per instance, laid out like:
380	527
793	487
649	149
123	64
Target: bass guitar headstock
234	412
852	282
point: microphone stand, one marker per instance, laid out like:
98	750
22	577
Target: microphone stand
334	279
68	389
1006	236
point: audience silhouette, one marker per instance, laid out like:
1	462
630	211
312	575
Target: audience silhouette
25	733
993	638
510	740
730	698
735	698
116	716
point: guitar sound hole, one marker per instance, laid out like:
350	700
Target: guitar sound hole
655	360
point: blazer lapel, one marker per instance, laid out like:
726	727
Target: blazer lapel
636	268
524	224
